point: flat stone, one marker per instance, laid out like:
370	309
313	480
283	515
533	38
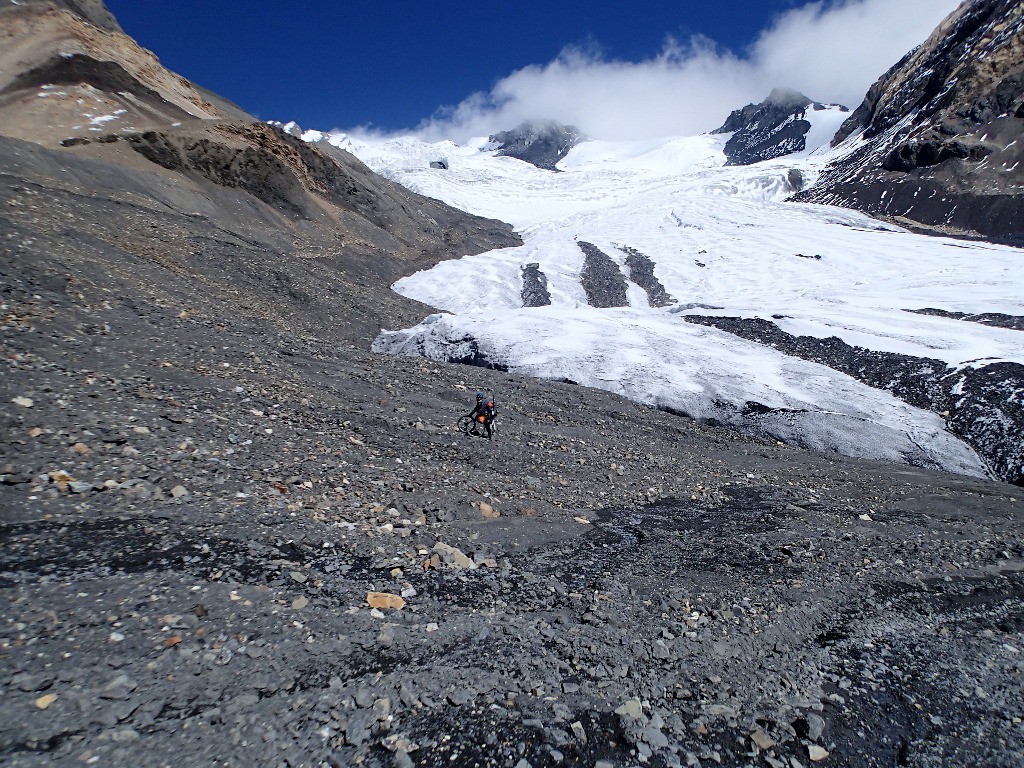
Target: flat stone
398	743
461	696
357	730
815	726
29	683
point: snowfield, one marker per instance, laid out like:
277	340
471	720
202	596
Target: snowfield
724	242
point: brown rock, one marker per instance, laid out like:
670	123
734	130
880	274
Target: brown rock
432	562
384	600
454	558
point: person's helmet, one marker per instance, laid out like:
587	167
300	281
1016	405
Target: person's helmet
480	395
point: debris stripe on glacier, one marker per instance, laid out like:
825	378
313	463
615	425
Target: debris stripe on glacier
718	236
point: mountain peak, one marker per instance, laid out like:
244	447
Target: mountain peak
93	11
777	126
539	142
787	98
940	131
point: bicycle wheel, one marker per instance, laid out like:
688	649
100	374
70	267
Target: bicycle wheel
464	424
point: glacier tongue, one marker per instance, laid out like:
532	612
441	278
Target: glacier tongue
722	240
661	360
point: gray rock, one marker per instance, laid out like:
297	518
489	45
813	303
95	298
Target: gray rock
601	278
357	729
534	292
641	272
773	128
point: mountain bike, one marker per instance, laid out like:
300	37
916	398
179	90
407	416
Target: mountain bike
467	425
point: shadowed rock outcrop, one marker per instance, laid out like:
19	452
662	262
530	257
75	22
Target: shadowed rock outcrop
775	127
941	131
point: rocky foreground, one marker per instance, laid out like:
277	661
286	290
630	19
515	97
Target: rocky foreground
231	535
195	532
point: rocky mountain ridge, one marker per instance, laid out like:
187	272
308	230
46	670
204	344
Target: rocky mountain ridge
774	128
93	93
67	69
940	132
93	11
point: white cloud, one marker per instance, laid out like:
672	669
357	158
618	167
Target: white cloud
831	51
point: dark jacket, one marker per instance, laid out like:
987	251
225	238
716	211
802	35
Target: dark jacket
484	408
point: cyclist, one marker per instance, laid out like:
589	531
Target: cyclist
483	413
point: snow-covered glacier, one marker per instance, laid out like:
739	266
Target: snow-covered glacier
723	242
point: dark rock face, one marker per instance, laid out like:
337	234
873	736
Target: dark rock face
540	143
641	272
942	132
601	278
773	128
535	287
983	406
102	75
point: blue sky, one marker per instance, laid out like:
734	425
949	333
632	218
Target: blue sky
472	67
